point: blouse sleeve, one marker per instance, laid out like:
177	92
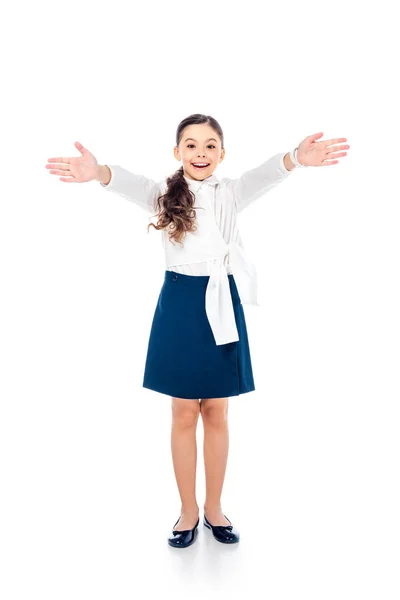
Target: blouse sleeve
256	182
134	187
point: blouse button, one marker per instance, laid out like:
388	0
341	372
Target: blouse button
175	277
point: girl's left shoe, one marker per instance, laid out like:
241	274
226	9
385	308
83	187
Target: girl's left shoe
227	534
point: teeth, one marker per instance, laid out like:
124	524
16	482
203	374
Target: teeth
200	164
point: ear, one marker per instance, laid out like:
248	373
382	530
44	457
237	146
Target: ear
221	158
177	154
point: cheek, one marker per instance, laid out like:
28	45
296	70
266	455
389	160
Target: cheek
186	157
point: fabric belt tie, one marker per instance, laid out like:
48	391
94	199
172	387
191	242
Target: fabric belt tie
219	307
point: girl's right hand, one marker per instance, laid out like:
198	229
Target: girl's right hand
75	169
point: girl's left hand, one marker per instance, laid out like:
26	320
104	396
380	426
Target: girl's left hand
320	154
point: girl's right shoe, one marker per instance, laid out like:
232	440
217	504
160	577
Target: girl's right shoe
183	539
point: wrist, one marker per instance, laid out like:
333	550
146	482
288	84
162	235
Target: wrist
293	158
289	164
103	174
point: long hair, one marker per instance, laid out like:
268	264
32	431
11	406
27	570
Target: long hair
175	208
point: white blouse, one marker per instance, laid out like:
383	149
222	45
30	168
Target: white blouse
215	248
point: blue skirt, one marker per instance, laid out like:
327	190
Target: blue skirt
183	359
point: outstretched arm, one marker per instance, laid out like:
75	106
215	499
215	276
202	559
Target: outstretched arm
310	153
256	182
132	186
84	168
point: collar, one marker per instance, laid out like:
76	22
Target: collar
194	184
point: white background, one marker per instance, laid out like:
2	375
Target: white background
88	494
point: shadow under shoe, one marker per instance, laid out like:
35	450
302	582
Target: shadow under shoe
227	534
183	539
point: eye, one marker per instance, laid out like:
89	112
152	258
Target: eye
209	146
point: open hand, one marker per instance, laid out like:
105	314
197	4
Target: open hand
320	154
75	169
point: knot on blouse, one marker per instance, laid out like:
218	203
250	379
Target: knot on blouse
219	307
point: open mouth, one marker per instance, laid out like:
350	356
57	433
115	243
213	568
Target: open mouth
200	165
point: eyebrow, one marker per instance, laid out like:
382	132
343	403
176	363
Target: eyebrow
209	139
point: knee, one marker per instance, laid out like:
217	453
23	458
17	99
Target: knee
214	412
185	413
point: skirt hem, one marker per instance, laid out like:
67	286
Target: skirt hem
190	397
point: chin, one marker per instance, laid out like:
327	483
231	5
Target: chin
200	174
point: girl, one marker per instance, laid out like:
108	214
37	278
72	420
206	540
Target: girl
198	350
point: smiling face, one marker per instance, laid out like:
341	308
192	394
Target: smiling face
199	144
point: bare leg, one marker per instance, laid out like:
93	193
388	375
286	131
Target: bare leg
214	412
185	415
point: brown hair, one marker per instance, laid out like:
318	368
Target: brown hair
176	207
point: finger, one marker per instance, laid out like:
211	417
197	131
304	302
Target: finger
79	147
59	160
337	148
334	141
58	172
68	180
328	163
337	154
314	136
60	167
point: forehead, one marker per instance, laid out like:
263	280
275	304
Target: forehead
200	132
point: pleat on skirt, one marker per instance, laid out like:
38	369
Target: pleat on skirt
183	359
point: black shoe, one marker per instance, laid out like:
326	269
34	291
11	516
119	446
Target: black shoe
183	539
227	534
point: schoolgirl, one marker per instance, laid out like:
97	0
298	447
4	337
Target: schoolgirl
198	350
